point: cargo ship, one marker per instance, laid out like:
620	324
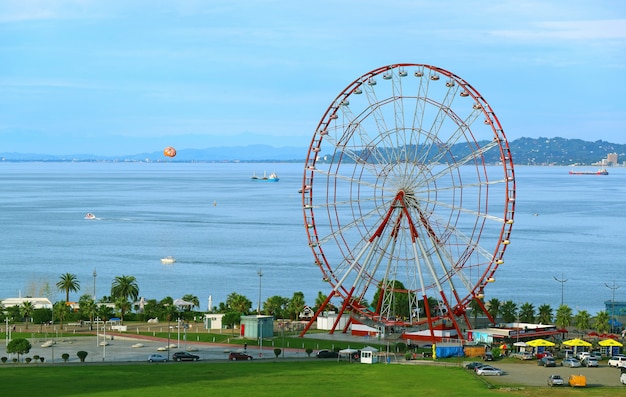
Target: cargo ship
272	178
602	171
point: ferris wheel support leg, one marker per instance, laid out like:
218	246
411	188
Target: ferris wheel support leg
429	318
464	312
346	302
484	309
317	313
450	315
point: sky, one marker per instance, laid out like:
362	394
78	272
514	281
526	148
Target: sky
111	77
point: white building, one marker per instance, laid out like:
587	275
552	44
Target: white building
38	303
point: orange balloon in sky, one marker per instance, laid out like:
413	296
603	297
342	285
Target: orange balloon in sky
169	151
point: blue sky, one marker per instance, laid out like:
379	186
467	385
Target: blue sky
122	77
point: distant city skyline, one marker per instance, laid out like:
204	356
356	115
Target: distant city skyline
115	77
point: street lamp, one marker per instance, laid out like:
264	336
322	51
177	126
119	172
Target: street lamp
612	288
562	281
260	273
94	284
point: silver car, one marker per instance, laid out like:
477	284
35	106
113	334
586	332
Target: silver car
571	362
488	370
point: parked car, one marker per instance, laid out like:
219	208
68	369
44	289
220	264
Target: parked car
523	355
555	380
589	362
184	356
582	355
597	355
577	380
543	354
488	356
566	353
547	362
571	362
473	365
235	356
326	354
617	361
156	358
488	370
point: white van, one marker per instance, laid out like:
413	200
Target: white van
617	361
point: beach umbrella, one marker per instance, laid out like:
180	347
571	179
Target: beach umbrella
609	342
577	342
540	342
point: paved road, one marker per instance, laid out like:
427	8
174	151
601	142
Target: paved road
122	348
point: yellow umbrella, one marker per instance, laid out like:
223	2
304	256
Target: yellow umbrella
609	342
576	342
540	342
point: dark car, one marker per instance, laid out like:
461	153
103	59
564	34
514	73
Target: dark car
235	356
473	365
327	354
184	356
547	361
488	356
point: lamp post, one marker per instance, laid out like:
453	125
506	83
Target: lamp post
260	273
94	284
612	288
562	281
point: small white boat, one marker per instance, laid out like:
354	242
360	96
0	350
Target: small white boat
89	215
168	260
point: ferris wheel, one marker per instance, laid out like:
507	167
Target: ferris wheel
408	196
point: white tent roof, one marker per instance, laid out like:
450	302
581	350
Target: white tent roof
369	349
348	351
180	302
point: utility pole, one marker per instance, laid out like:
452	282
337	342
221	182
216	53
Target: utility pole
563	280
612	288
260	273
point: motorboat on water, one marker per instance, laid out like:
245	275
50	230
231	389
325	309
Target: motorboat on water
168	260
89	215
273	177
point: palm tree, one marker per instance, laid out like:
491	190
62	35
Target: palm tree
582	320
527	313
123	289
68	282
193	299
26	310
602	322
494	308
508	311
296	305
60	310
545	314
87	307
476	309
563	316
238	303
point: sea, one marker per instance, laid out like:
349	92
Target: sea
229	234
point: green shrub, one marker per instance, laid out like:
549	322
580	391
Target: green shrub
65	357
401	347
308	351
14	360
42	358
28	360
4	359
277	352
36	357
82	355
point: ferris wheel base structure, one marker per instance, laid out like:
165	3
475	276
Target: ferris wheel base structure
408	198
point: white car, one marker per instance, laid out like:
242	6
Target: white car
617	361
488	370
589	362
571	362
555	380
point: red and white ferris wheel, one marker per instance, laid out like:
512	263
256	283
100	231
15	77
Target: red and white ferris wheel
408	197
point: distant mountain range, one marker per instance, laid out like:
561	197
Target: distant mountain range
529	151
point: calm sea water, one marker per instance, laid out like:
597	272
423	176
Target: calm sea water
223	229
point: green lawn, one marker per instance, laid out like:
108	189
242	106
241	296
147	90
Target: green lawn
258	379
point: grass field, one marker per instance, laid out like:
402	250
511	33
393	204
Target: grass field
258	379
